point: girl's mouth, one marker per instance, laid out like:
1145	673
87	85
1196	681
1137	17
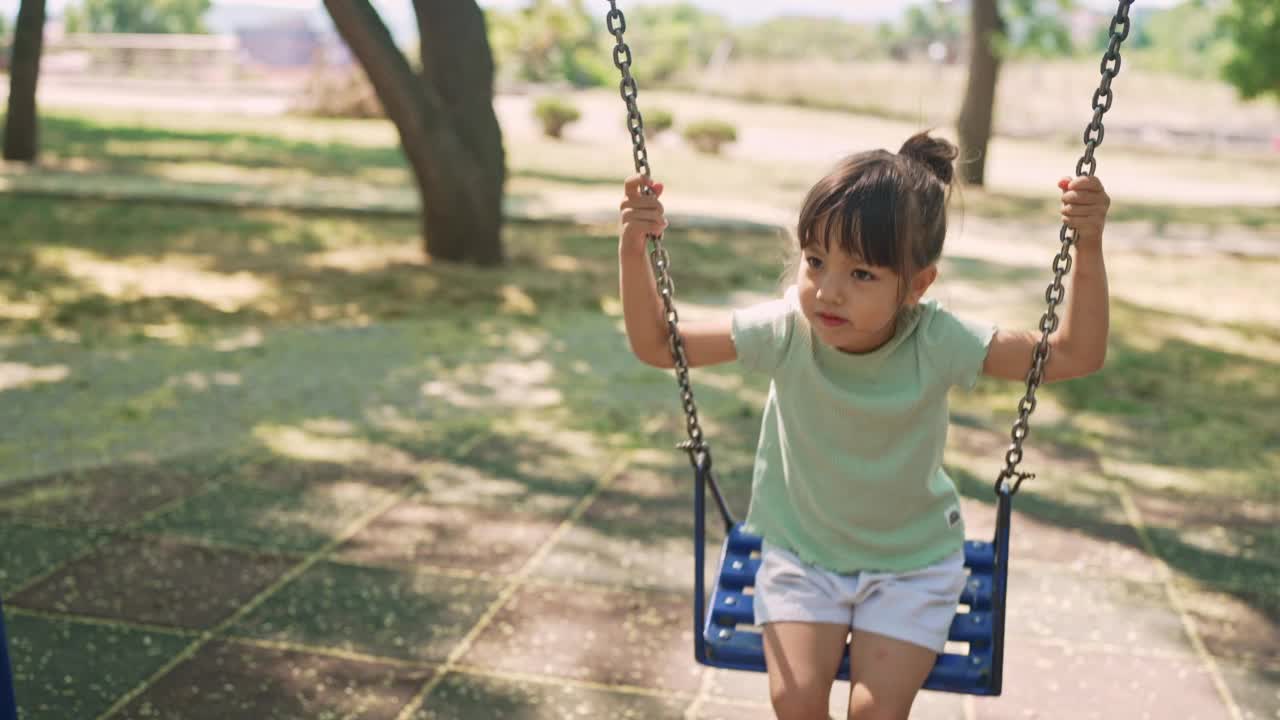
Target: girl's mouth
830	320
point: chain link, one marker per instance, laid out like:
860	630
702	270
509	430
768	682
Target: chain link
699	451
1056	291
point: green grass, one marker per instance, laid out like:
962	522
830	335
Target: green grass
143	149
357	166
131	276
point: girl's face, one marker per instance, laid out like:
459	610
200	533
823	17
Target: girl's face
853	306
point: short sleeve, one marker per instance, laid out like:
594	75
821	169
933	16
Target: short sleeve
762	333
958	346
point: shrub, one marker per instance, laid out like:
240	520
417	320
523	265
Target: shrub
554	114
657	121
338	93
708	135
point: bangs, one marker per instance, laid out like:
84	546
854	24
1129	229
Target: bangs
864	217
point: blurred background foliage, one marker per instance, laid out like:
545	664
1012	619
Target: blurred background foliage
557	41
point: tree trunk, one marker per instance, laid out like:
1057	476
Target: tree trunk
976	114
445	118
22	124
458	63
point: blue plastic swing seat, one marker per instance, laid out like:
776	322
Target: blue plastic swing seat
732	642
8	707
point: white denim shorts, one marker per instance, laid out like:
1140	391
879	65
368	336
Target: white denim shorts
915	606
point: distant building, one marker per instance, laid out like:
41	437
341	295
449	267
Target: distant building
290	42
1084	25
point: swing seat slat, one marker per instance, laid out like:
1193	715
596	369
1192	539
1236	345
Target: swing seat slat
8	705
732	641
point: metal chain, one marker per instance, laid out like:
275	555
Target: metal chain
1055	293
699	451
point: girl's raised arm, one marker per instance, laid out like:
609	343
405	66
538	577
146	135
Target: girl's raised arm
1079	345
705	343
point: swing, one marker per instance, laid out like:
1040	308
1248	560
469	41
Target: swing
8	707
724	636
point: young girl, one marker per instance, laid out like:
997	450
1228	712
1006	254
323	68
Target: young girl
861	524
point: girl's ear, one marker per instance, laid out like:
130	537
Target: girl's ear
920	282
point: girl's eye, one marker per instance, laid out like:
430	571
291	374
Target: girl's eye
863	275
814	262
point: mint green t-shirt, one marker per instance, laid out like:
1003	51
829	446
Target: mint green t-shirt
848	472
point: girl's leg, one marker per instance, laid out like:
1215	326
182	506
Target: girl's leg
885	674
802	658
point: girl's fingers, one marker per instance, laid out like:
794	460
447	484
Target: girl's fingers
1077	211
1084	203
643	203
632	186
1078	197
635	182
1085	182
642	216
644	209
650	228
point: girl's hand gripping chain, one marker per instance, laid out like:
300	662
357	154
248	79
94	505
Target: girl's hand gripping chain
1084	208
642	213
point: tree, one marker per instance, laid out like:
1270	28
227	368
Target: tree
806	38
137	16
1189	38
1254	66
674	37
551	41
996	32
1034	28
445	118
926	24
976	113
21	125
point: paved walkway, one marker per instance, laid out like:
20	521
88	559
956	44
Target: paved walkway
307	590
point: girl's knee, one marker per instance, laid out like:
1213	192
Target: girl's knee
807	701
878	711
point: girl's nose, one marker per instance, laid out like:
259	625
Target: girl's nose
830	292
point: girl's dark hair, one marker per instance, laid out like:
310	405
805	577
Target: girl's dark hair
890	210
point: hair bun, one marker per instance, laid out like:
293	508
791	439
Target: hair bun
936	154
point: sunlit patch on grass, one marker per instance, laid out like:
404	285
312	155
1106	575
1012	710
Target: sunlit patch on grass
516	301
524	343
325	441
172	332
1162	479
564	263
499	384
393	419
17	375
367	258
1211	288
448	483
329	426
172	276
153	147
246	338
69	163
16	310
